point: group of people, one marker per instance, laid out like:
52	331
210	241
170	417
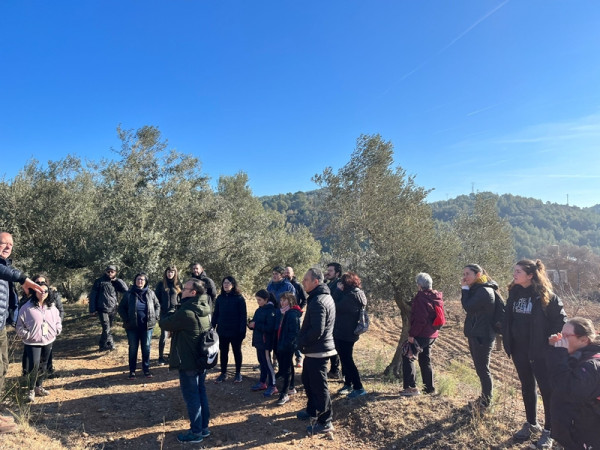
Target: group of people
550	352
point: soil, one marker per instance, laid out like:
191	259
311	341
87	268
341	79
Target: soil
92	404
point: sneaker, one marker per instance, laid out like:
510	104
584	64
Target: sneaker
189	437
283	399
292	391
148	375
303	415
205	433
131	376
345	390
319	428
545	441
30	397
357	393
526	431
333	374
429	391
271	390
221	378
161	361
410	392
41	392
259	387
238	378
299	363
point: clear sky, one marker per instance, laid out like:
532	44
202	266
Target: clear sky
490	95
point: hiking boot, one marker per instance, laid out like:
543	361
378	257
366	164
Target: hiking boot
319	428
333	375
345	390
270	391
30	397
131	376
41	392
190	438
221	378
526	431
259	387
357	393
283	399
238	378
410	392
303	415
545	441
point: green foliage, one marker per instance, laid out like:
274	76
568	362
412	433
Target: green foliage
146	208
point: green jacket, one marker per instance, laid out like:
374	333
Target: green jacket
186	331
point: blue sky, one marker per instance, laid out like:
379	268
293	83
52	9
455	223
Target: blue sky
498	96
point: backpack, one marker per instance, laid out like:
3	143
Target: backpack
499	309
208	347
363	318
439	320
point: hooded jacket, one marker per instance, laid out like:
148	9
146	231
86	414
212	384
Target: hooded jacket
347	314
545	321
230	315
263	336
423	314
187	325
279	288
478	302
575	396
316	333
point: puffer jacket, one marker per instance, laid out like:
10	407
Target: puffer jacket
230	315
103	296
8	295
31	320
128	309
289	329
478	302
316	333
263	336
187	324
347	314
575	396
423	313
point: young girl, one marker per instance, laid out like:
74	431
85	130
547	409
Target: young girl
287	343
263	325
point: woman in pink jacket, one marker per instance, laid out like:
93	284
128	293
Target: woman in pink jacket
38	325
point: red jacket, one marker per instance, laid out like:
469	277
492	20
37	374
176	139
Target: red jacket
422	314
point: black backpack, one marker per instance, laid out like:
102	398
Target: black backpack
208	347
499	310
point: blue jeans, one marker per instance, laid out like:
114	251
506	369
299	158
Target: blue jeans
193	391
135	338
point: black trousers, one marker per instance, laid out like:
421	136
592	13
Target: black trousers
106	321
532	374
36	363
286	370
349	369
409	372
481	349
236	347
314	378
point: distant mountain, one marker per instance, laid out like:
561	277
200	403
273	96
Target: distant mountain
536	224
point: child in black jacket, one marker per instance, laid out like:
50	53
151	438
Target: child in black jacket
263	325
287	343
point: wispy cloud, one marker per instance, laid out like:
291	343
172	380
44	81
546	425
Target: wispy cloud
478	111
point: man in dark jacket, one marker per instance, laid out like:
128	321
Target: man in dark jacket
104	302
316	342
279	284
332	276
187	324
209	285
8	305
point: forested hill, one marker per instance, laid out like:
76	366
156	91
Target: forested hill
535	224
